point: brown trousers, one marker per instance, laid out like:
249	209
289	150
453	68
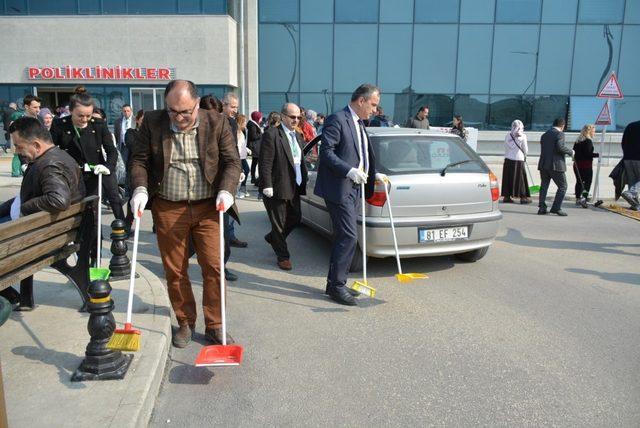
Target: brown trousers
175	221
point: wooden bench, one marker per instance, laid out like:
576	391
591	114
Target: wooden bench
44	239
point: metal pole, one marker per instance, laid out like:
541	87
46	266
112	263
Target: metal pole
596	188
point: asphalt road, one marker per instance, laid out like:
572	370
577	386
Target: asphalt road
542	331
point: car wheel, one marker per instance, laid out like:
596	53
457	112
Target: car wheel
356	262
472	256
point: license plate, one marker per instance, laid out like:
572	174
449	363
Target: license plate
444	234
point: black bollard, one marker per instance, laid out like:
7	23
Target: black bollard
101	363
120	265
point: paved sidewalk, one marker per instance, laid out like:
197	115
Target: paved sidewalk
41	350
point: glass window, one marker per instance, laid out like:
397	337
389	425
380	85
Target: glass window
189	6
387	103
114	7
583	110
477	11
316	10
437	10
214	7
356	11
474	60
518	11
505	109
396	10
273	102
632	14
559	11
152	7
394	63
627	111
320	103
598	11
354	61
554	61
278	10
89	7
316	57
440	107
48	7
546	109
16	7
473	109
630	61
435	72
593	57
514	59
279	71
340	101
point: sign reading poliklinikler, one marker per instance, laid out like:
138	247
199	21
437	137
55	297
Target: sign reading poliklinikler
99	72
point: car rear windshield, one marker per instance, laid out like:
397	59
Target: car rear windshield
420	154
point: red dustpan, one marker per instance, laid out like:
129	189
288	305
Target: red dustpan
220	355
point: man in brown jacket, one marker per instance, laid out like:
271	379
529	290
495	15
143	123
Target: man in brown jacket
186	162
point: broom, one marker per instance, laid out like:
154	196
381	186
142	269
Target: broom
128	338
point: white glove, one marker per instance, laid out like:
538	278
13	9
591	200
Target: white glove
224	200
242	176
101	169
357	176
15	207
268	192
249	152
138	201
382	177
24	167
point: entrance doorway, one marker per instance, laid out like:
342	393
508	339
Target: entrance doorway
147	99
53	97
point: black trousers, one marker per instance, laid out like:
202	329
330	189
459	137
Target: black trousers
284	215
587	176
109	192
560	179
254	164
344	217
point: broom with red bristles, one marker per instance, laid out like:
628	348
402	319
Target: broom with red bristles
128	338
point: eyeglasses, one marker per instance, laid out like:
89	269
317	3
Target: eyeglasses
293	117
186	114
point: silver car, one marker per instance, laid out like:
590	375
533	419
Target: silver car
444	197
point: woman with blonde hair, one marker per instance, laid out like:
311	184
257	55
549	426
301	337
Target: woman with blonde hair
514	176
583	161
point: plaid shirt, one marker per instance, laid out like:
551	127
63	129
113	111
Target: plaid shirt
185	179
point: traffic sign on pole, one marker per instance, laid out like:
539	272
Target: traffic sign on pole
604	117
611	89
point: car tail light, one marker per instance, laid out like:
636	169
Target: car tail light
379	197
495	190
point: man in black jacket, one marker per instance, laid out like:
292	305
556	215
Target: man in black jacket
552	166
52	181
631	158
283	178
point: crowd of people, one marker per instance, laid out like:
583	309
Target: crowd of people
189	160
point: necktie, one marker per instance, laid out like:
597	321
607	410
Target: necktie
294	144
363	146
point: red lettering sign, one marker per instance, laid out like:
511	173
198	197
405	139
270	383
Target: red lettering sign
164	74
99	73
34	72
152	73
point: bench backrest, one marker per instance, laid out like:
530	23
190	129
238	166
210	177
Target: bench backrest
37	236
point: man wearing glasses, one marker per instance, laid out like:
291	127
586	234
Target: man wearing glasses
186	161
283	178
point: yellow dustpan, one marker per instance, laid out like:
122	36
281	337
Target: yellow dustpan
363	287
402	277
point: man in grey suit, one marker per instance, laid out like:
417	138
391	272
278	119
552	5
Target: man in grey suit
552	166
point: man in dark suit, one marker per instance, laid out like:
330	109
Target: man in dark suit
552	166
346	161
186	161
283	178
120	127
631	158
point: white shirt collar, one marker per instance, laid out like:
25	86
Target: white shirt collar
286	129
354	115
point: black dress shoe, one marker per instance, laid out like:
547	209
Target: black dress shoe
342	296
559	212
230	276
238	243
267	238
351	291
542	211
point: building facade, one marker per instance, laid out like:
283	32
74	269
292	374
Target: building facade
490	60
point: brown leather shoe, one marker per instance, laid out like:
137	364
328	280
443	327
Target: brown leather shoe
214	335
182	336
285	265
238	243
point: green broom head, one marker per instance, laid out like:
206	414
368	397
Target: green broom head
534	189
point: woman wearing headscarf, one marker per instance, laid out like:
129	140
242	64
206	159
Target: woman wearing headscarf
46	117
514	176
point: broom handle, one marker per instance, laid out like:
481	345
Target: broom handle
99	233
222	296
393	229
364	236
526	165
134	260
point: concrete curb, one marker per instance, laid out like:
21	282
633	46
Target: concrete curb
150	368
